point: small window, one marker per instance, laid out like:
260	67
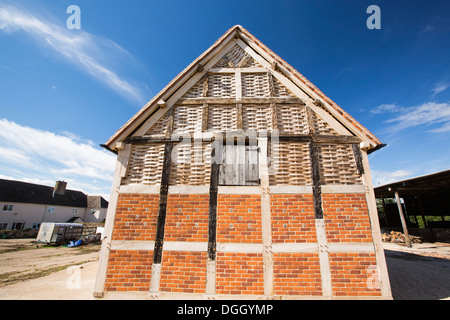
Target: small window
74	211
36	225
3	226
7	208
18	225
239	166
50	209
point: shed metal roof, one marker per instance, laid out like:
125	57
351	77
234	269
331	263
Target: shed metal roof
433	181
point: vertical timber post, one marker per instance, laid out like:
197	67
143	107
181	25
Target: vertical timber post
402	219
120	171
324	261
216	160
266	220
160	224
376	231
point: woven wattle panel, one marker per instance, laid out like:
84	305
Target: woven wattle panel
252	64
159	127
280	90
337	164
292	119
322	127
235	56
257	118
255	85
196	91
187	119
222	85
191	164
289	163
145	165
222	118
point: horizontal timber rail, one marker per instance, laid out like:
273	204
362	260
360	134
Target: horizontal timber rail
196	101
206	137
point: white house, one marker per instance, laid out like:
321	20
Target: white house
26	205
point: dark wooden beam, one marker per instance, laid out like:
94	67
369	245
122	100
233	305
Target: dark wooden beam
205	85
239	116
169	130
315	177
149	139
205	117
163	194
358	158
216	156
163	139
319	139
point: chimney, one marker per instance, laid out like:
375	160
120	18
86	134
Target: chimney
60	188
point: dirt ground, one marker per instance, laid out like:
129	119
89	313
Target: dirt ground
21	260
419	273
58	273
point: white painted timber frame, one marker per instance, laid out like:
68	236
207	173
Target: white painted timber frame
119	173
385	285
266	217
280	189
290	247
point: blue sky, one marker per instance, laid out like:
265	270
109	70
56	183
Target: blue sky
63	92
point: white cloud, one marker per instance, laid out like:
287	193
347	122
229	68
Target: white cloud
444	128
380	177
387	108
430	113
400	174
427	113
81	48
42	156
440	87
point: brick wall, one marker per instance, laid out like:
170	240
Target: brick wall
239	273
129	270
292	218
136	216
239	218
346	218
354	274
187	218
297	274
183	272
239	221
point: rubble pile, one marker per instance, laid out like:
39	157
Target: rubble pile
398	237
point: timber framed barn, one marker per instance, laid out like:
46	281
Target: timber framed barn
241	179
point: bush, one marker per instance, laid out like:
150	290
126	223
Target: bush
18	234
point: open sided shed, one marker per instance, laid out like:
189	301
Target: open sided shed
426	205
241	179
